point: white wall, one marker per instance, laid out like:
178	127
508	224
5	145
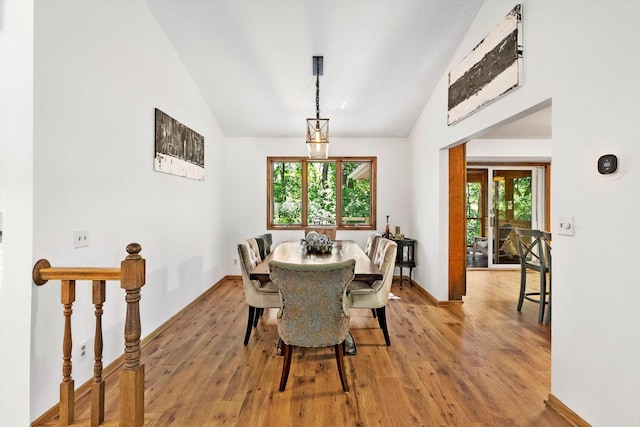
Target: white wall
246	189
509	150
596	334
431	137
591	78
16	204
101	68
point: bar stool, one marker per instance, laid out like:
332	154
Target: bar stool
534	249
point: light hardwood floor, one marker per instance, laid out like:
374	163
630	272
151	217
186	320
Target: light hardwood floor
480	363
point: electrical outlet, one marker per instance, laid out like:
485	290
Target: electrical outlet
82	350
235	262
80	239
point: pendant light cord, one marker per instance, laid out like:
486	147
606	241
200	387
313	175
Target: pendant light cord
318	95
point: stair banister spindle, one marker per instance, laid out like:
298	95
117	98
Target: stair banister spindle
97	388
68	296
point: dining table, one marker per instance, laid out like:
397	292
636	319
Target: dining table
295	252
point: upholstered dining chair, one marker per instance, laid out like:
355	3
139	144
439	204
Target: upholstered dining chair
328	231
377	259
372	244
255	248
376	295
534	250
259	296
314	309
264	244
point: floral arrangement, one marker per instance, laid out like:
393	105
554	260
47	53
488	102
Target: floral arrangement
317	243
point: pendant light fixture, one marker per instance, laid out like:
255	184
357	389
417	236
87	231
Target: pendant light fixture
317	128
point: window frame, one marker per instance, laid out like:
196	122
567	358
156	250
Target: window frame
304	184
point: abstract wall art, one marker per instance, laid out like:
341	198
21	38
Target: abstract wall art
489	71
179	150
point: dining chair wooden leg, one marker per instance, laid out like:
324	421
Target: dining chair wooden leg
382	321
373	312
286	365
341	371
252	312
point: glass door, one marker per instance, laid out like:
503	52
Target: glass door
517	200
500	199
476	217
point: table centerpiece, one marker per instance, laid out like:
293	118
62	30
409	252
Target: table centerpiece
315	243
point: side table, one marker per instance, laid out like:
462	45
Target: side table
405	257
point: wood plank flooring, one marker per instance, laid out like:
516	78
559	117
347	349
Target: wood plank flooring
480	363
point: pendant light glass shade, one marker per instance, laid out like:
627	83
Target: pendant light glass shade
318	138
317	128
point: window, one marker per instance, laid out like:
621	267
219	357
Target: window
476	193
321	193
522	198
336	192
474	211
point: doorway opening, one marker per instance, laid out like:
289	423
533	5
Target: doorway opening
500	198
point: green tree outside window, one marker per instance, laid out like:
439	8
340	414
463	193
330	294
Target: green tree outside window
307	192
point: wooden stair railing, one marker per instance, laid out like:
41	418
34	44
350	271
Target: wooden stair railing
131	276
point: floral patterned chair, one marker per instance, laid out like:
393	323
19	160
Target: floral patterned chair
376	295
259	296
315	311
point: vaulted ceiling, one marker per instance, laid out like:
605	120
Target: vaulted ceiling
252	60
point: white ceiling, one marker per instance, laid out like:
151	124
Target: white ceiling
536	125
252	60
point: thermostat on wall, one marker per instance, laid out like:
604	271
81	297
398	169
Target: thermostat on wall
607	164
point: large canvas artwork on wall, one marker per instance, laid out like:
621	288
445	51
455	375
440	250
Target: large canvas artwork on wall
489	71
179	150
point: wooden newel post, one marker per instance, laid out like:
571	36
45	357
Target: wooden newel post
132	271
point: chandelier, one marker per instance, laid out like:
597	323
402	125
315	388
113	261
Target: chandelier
317	128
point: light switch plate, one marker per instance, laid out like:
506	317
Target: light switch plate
566	226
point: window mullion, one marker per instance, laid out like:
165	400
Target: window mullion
305	195
338	193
